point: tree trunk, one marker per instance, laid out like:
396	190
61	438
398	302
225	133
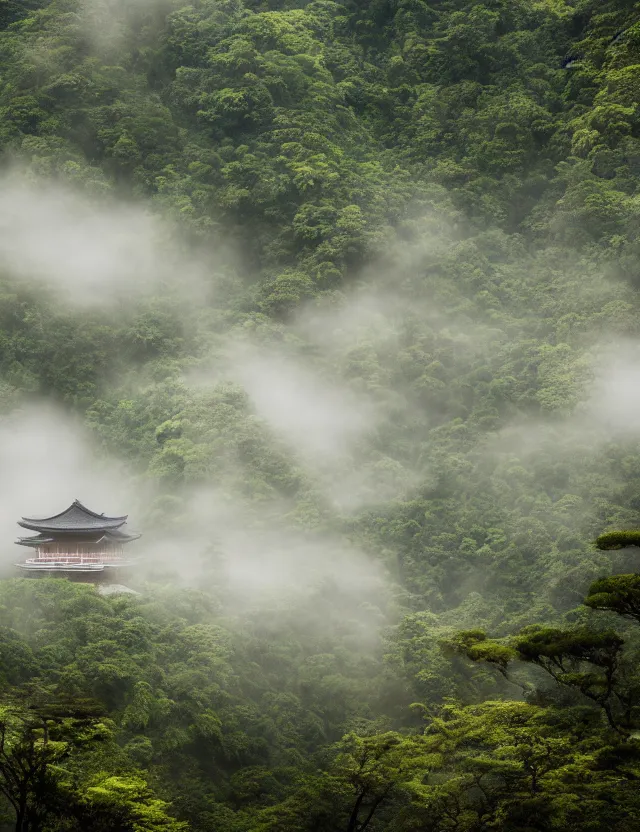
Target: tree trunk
23	823
353	820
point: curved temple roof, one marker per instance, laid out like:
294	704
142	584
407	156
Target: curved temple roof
36	540
114	536
76	518
118	536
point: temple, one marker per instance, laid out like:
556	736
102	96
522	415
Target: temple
77	543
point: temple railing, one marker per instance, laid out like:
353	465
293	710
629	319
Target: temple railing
94	557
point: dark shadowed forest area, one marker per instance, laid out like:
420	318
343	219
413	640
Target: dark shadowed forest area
339	301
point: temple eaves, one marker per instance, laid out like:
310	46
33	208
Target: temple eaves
76	518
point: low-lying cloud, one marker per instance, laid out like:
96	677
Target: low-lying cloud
613	405
320	419
46	461
329	427
91	251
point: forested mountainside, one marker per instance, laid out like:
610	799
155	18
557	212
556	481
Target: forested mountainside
340	301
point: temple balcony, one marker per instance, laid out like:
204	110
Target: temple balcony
76	557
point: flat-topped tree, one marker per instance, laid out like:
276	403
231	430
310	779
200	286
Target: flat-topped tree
77	542
618	539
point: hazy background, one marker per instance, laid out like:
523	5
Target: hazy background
306	384
94	250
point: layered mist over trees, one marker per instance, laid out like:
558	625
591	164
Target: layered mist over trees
339	302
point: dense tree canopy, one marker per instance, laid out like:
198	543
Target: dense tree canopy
349	292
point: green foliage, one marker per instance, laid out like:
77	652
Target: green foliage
477	647
112	802
428	208
522	766
619	594
618	540
45	751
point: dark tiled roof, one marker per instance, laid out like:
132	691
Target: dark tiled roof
111	536
36	540
119	536
76	518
